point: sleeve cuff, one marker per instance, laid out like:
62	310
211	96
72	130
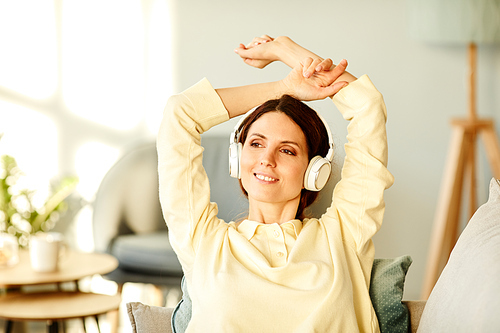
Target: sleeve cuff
355	96
207	103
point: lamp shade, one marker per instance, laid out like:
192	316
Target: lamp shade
455	21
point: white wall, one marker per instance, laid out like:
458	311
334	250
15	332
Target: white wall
423	86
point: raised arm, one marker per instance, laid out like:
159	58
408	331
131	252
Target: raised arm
264	50
321	84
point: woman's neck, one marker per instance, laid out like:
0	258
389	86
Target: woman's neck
269	213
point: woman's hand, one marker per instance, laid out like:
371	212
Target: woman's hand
259	52
315	79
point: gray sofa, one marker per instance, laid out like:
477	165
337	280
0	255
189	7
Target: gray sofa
466	298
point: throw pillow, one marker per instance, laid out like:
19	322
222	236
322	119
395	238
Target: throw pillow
146	318
386	292
466	297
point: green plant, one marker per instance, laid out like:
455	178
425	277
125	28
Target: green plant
21	214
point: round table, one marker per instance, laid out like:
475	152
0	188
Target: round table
72	266
58	305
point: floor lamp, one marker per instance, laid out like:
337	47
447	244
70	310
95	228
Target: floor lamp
468	22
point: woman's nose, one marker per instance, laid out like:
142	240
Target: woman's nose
268	159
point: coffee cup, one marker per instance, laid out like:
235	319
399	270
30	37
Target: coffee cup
46	250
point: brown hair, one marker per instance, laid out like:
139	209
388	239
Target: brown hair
312	127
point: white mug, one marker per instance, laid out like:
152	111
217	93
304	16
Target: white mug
46	250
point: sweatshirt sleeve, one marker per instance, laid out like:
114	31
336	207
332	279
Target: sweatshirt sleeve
358	200
183	183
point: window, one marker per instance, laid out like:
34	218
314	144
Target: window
80	80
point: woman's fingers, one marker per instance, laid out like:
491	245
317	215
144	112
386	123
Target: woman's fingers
257	54
340	68
308	66
324	65
259	40
318	86
312	66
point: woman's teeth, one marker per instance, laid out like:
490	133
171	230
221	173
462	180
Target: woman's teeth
265	178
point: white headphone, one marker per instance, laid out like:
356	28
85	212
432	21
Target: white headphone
318	170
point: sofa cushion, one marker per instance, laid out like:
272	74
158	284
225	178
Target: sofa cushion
466	297
146	253
150	319
386	293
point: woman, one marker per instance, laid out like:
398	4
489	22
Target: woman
273	272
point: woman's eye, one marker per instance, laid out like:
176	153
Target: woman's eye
255	144
288	152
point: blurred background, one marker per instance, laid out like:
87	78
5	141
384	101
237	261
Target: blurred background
80	81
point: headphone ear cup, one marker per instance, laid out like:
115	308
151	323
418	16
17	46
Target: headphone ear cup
234	159
317	173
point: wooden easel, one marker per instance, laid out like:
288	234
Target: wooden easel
460	167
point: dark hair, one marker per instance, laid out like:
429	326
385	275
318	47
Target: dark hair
312	127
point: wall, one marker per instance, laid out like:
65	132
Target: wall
423	86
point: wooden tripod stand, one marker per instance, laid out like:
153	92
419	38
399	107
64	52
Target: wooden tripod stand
460	166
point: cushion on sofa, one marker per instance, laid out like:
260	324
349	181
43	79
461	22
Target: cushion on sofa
386	293
466	297
150	319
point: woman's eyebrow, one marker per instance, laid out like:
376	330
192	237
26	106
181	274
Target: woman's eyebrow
262	136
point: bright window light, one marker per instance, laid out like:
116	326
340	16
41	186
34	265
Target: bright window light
159	73
28	47
93	160
84	236
31	138
103	61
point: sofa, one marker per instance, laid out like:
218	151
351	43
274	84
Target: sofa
466	297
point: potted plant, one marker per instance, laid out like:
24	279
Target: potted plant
20	214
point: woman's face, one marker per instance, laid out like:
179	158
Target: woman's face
274	159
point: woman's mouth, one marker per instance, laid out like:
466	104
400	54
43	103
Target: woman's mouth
265	178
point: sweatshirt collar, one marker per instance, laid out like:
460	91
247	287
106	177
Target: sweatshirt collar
248	228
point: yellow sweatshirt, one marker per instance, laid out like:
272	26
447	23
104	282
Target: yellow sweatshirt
300	276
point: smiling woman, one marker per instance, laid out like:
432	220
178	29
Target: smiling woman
273	163
288	271
307	136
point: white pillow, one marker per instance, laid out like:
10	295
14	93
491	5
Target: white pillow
466	297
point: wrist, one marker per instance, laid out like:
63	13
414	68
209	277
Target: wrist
287	51
291	53
284	88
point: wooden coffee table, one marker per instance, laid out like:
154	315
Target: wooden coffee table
57	305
